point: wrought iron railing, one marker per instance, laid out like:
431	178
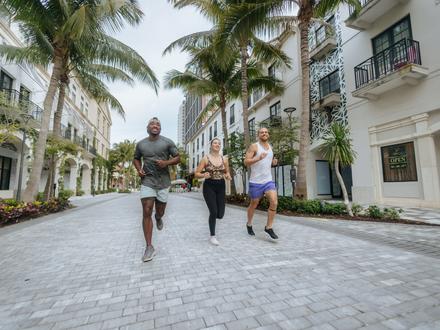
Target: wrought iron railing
93	150
352	9
320	35
15	98
272	121
389	60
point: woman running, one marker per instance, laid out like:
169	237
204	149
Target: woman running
214	168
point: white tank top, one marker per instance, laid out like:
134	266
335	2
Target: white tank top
261	170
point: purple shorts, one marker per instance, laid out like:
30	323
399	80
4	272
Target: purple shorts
257	190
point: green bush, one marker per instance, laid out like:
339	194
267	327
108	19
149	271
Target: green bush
334	208
356	208
65	194
391	213
126	191
80	192
312	206
373	211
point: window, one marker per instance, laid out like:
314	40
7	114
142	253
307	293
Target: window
25	94
193	163
271	71
87	109
210	133
399	31
203	139
197	159
399	163
73	95
5	172
203	154
99	119
323	32
251	124
232	114
81	106
194	147
215	128
198	144
5	81
275	110
329	84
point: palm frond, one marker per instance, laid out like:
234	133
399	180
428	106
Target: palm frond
197	39
110	73
270	54
29	55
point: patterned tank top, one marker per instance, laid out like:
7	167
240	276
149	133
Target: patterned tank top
217	172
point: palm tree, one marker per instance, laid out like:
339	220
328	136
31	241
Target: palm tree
66	30
122	155
244	39
338	150
218	76
264	16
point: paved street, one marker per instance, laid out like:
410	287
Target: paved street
82	269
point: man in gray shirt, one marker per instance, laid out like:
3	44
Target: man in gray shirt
152	157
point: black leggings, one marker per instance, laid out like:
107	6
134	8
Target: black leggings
214	194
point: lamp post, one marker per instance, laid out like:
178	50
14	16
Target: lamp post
289	111
26	117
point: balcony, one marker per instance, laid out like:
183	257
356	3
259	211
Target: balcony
370	12
325	42
393	67
13	104
272	121
93	151
328	101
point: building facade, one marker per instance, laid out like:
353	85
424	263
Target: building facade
85	122
391	57
377	71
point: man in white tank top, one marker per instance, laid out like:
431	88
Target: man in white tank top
259	157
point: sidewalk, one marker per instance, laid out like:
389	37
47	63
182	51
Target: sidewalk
83	270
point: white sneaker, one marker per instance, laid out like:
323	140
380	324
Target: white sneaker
213	240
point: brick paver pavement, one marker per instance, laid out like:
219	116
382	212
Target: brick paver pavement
82	269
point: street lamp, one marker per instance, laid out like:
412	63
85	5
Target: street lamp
26	117
289	111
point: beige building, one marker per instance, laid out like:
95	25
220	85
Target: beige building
391	57
85	122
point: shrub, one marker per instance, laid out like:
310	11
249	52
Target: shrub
80	192
126	191
237	199
391	213
65	194
12	211
356	208
334	208
374	212
312	206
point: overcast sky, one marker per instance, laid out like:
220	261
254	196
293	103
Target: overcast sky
162	24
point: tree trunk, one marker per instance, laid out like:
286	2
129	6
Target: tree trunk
226	135
31	190
244	93
59	112
343	188
49	191
304	142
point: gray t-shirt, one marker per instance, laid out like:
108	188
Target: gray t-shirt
151	150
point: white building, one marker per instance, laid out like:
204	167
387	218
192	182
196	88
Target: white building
264	109
180	125
392	62
84	121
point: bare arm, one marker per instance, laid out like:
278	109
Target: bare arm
227	172
198	172
138	165
250	157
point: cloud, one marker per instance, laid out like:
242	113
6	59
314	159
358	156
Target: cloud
162	25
